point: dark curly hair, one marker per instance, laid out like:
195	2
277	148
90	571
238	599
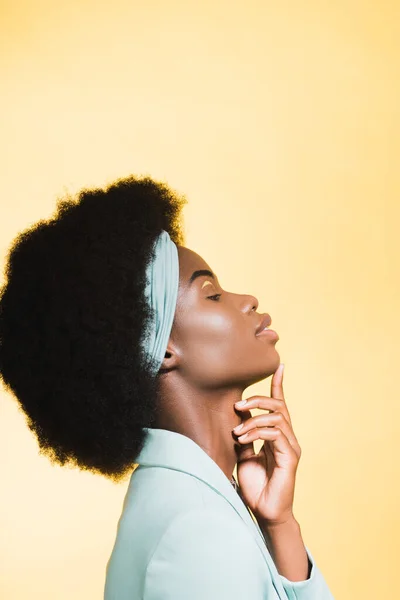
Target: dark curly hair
72	315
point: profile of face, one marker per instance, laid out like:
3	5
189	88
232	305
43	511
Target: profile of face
213	341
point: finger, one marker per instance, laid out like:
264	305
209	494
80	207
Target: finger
281	446
266	403
260	402
277	383
244	451
251	429
274	419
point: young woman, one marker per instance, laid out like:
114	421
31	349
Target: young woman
124	351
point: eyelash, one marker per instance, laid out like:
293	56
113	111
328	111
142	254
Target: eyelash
215	295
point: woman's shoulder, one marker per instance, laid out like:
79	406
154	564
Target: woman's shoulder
171	522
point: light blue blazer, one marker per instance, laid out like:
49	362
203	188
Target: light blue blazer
186	534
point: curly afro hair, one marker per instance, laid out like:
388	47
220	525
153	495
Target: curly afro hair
72	315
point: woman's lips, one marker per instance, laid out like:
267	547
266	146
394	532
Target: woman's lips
268	332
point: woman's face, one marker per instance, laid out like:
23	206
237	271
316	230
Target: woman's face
213	333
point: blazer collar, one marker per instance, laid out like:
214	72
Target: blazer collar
172	450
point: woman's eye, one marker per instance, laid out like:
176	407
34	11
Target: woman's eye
215	297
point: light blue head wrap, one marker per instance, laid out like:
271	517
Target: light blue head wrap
162	275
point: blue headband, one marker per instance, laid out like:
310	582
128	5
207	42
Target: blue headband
162	275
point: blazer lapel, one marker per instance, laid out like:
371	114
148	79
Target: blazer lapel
172	450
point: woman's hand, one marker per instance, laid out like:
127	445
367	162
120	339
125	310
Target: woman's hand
267	479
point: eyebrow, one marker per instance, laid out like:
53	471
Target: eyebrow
200	273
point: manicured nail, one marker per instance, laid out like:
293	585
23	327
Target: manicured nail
240	403
238	428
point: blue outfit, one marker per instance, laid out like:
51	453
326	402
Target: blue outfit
186	534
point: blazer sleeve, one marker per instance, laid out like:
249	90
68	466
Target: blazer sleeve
203	556
313	588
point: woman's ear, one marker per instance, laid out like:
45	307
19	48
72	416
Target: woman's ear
170	360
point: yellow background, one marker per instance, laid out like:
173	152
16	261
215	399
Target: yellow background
280	122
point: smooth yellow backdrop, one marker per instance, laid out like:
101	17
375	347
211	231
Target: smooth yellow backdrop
280	122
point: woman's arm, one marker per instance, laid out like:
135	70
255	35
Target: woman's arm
289	554
286	546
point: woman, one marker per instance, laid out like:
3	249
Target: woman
123	349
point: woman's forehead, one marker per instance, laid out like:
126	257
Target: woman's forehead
189	261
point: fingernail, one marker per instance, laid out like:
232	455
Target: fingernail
282	366
240	403
238	428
